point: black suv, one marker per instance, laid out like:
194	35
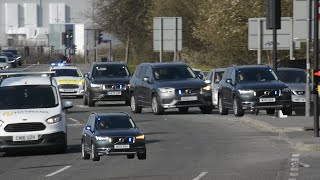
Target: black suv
253	87
108	81
168	85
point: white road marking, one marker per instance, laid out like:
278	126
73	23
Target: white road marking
58	171
292	179
70	125
295	155
295	159
294	166
82	106
74	120
28	67
294	169
294	174
201	175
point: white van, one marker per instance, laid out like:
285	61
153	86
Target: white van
32	114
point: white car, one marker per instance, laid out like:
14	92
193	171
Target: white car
4	63
70	80
32	114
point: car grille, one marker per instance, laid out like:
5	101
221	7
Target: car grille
187	91
24	142
268	93
117	140
25	127
68	86
114	86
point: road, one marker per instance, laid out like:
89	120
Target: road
189	146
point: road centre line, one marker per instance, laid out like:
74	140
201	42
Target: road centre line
201	175
28	67
74	120
58	171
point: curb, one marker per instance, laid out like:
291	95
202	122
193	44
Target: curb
263	126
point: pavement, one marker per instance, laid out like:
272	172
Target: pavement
296	130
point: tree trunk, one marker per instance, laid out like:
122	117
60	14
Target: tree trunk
127	48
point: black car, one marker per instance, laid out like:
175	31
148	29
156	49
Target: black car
253	87
107	81
11	57
15	53
112	134
168	85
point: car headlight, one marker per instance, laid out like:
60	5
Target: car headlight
103	138
166	90
207	88
247	92
95	85
81	82
140	136
286	90
1	122
54	119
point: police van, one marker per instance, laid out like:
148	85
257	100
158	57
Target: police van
32	114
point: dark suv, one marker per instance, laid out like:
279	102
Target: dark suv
168	85
108	81
253	87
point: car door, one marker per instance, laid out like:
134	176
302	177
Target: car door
230	88
223	85
147	87
87	133
139	86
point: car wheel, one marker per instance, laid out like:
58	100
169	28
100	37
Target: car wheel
183	109
287	111
237	109
94	156
270	111
130	156
206	109
135	108
84	154
142	156
156	107
85	99
62	148
91	103
222	110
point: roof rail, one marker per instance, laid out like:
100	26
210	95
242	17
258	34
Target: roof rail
26	73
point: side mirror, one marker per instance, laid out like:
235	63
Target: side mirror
88	128
229	81
207	81
86	75
200	76
67	105
146	79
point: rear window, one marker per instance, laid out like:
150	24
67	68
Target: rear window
28	97
114	122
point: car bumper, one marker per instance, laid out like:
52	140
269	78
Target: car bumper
109	149
190	100
249	103
45	140
106	95
71	92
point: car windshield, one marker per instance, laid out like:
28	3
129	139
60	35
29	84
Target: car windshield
28	97
218	77
67	72
3	60
15	52
174	73
8	54
255	75
116	71
291	76
114	122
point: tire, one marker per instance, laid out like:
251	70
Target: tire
237	109
206	109
270	111
130	156
94	156
135	108
183	109
142	156
222	110
62	148
84	154
85	100
287	111
156	107
91	103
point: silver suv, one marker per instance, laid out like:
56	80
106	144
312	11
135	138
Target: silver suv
168	85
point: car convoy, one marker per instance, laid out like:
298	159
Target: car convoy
33	113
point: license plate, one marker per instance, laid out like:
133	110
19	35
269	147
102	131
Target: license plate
299	100
122	146
114	93
267	100
68	90
189	98
25	138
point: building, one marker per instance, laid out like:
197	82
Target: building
26	22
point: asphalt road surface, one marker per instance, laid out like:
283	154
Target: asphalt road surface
189	146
